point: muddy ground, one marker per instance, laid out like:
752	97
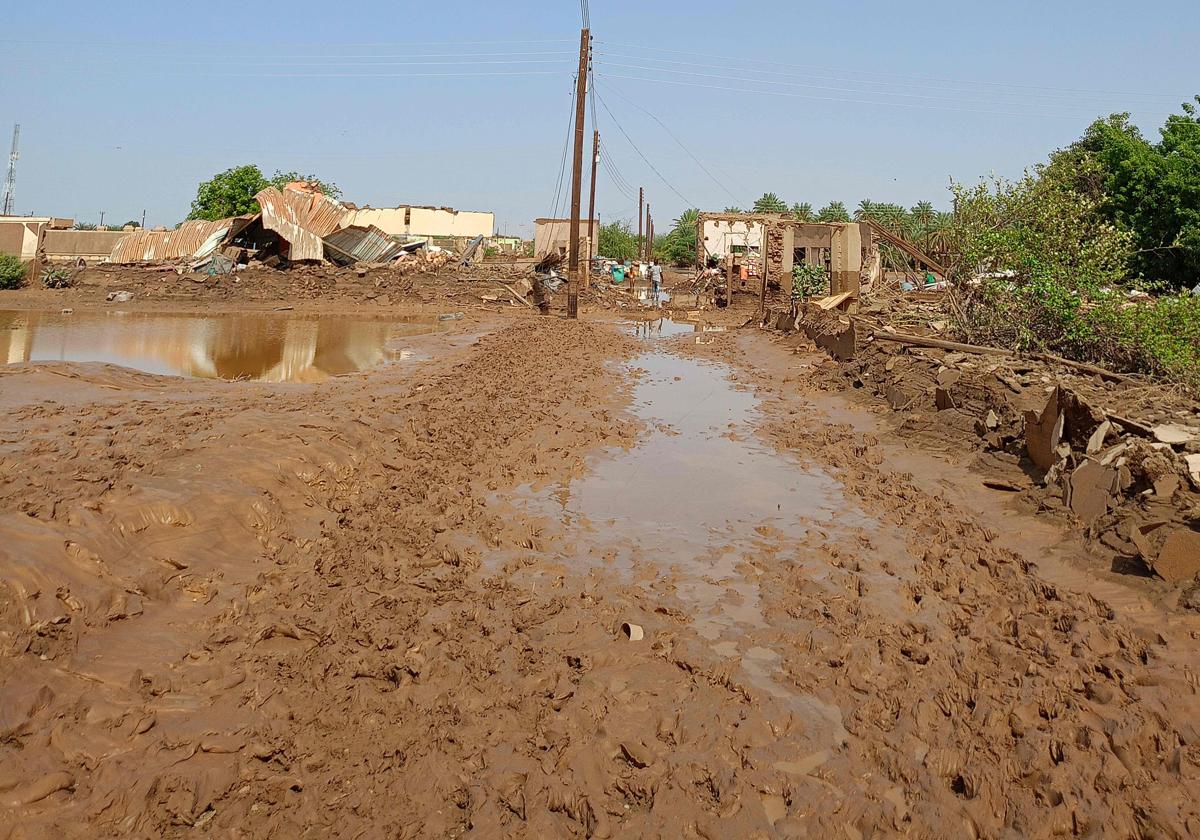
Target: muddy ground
391	605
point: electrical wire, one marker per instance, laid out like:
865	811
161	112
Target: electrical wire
653	168
678	142
562	166
915	78
727	78
836	98
615	172
1023	95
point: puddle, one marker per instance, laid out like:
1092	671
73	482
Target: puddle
281	347
691	506
698	496
665	327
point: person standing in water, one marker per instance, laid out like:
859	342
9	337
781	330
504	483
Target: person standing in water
655	279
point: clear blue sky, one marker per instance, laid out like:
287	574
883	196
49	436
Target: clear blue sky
127	106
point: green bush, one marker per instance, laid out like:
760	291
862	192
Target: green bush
12	272
809	281
1042	268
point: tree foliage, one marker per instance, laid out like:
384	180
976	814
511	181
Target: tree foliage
770	203
231	193
803	211
678	247
617	241
1150	189
834	211
12	271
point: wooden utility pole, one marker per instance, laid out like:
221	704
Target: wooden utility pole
644	250
587	271
577	175
641	200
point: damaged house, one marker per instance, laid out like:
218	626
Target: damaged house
757	251
296	224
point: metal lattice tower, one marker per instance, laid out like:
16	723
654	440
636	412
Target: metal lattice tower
10	182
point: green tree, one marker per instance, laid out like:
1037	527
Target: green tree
770	203
734	210
1150	189
834	211
679	246
803	211
85	226
133	224
617	241
281	179
231	193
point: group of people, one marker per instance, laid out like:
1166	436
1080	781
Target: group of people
649	271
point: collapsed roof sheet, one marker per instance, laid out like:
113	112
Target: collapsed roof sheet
301	217
362	244
191	240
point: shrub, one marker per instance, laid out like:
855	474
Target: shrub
12	272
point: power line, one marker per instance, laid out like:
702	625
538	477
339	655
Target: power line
679	142
359	63
562	166
886	82
727	78
654	169
236	47
887	75
833	98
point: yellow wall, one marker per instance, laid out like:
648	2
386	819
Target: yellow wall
425	221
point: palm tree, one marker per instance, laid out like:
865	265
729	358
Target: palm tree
803	211
733	209
923	214
866	210
834	211
770	203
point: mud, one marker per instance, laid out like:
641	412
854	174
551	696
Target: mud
391	604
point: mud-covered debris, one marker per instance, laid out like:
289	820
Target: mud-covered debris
1179	558
1043	432
1174	434
1193	468
120	296
1090	490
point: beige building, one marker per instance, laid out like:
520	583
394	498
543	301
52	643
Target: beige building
751	245
424	222
554	236
21	236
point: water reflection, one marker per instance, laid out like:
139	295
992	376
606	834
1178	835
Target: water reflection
268	348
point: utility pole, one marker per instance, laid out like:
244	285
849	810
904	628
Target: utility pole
10	181
592	208
143	220
101	219
577	175
645	250
641	198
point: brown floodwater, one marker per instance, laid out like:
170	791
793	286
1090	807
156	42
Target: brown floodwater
277	347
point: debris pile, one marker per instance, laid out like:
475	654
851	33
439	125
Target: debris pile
1118	453
297	224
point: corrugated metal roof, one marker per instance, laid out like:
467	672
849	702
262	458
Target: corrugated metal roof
362	244
191	240
302	218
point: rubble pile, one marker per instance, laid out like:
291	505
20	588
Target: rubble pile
1119	454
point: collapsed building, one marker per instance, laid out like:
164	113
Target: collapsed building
757	251
296	224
